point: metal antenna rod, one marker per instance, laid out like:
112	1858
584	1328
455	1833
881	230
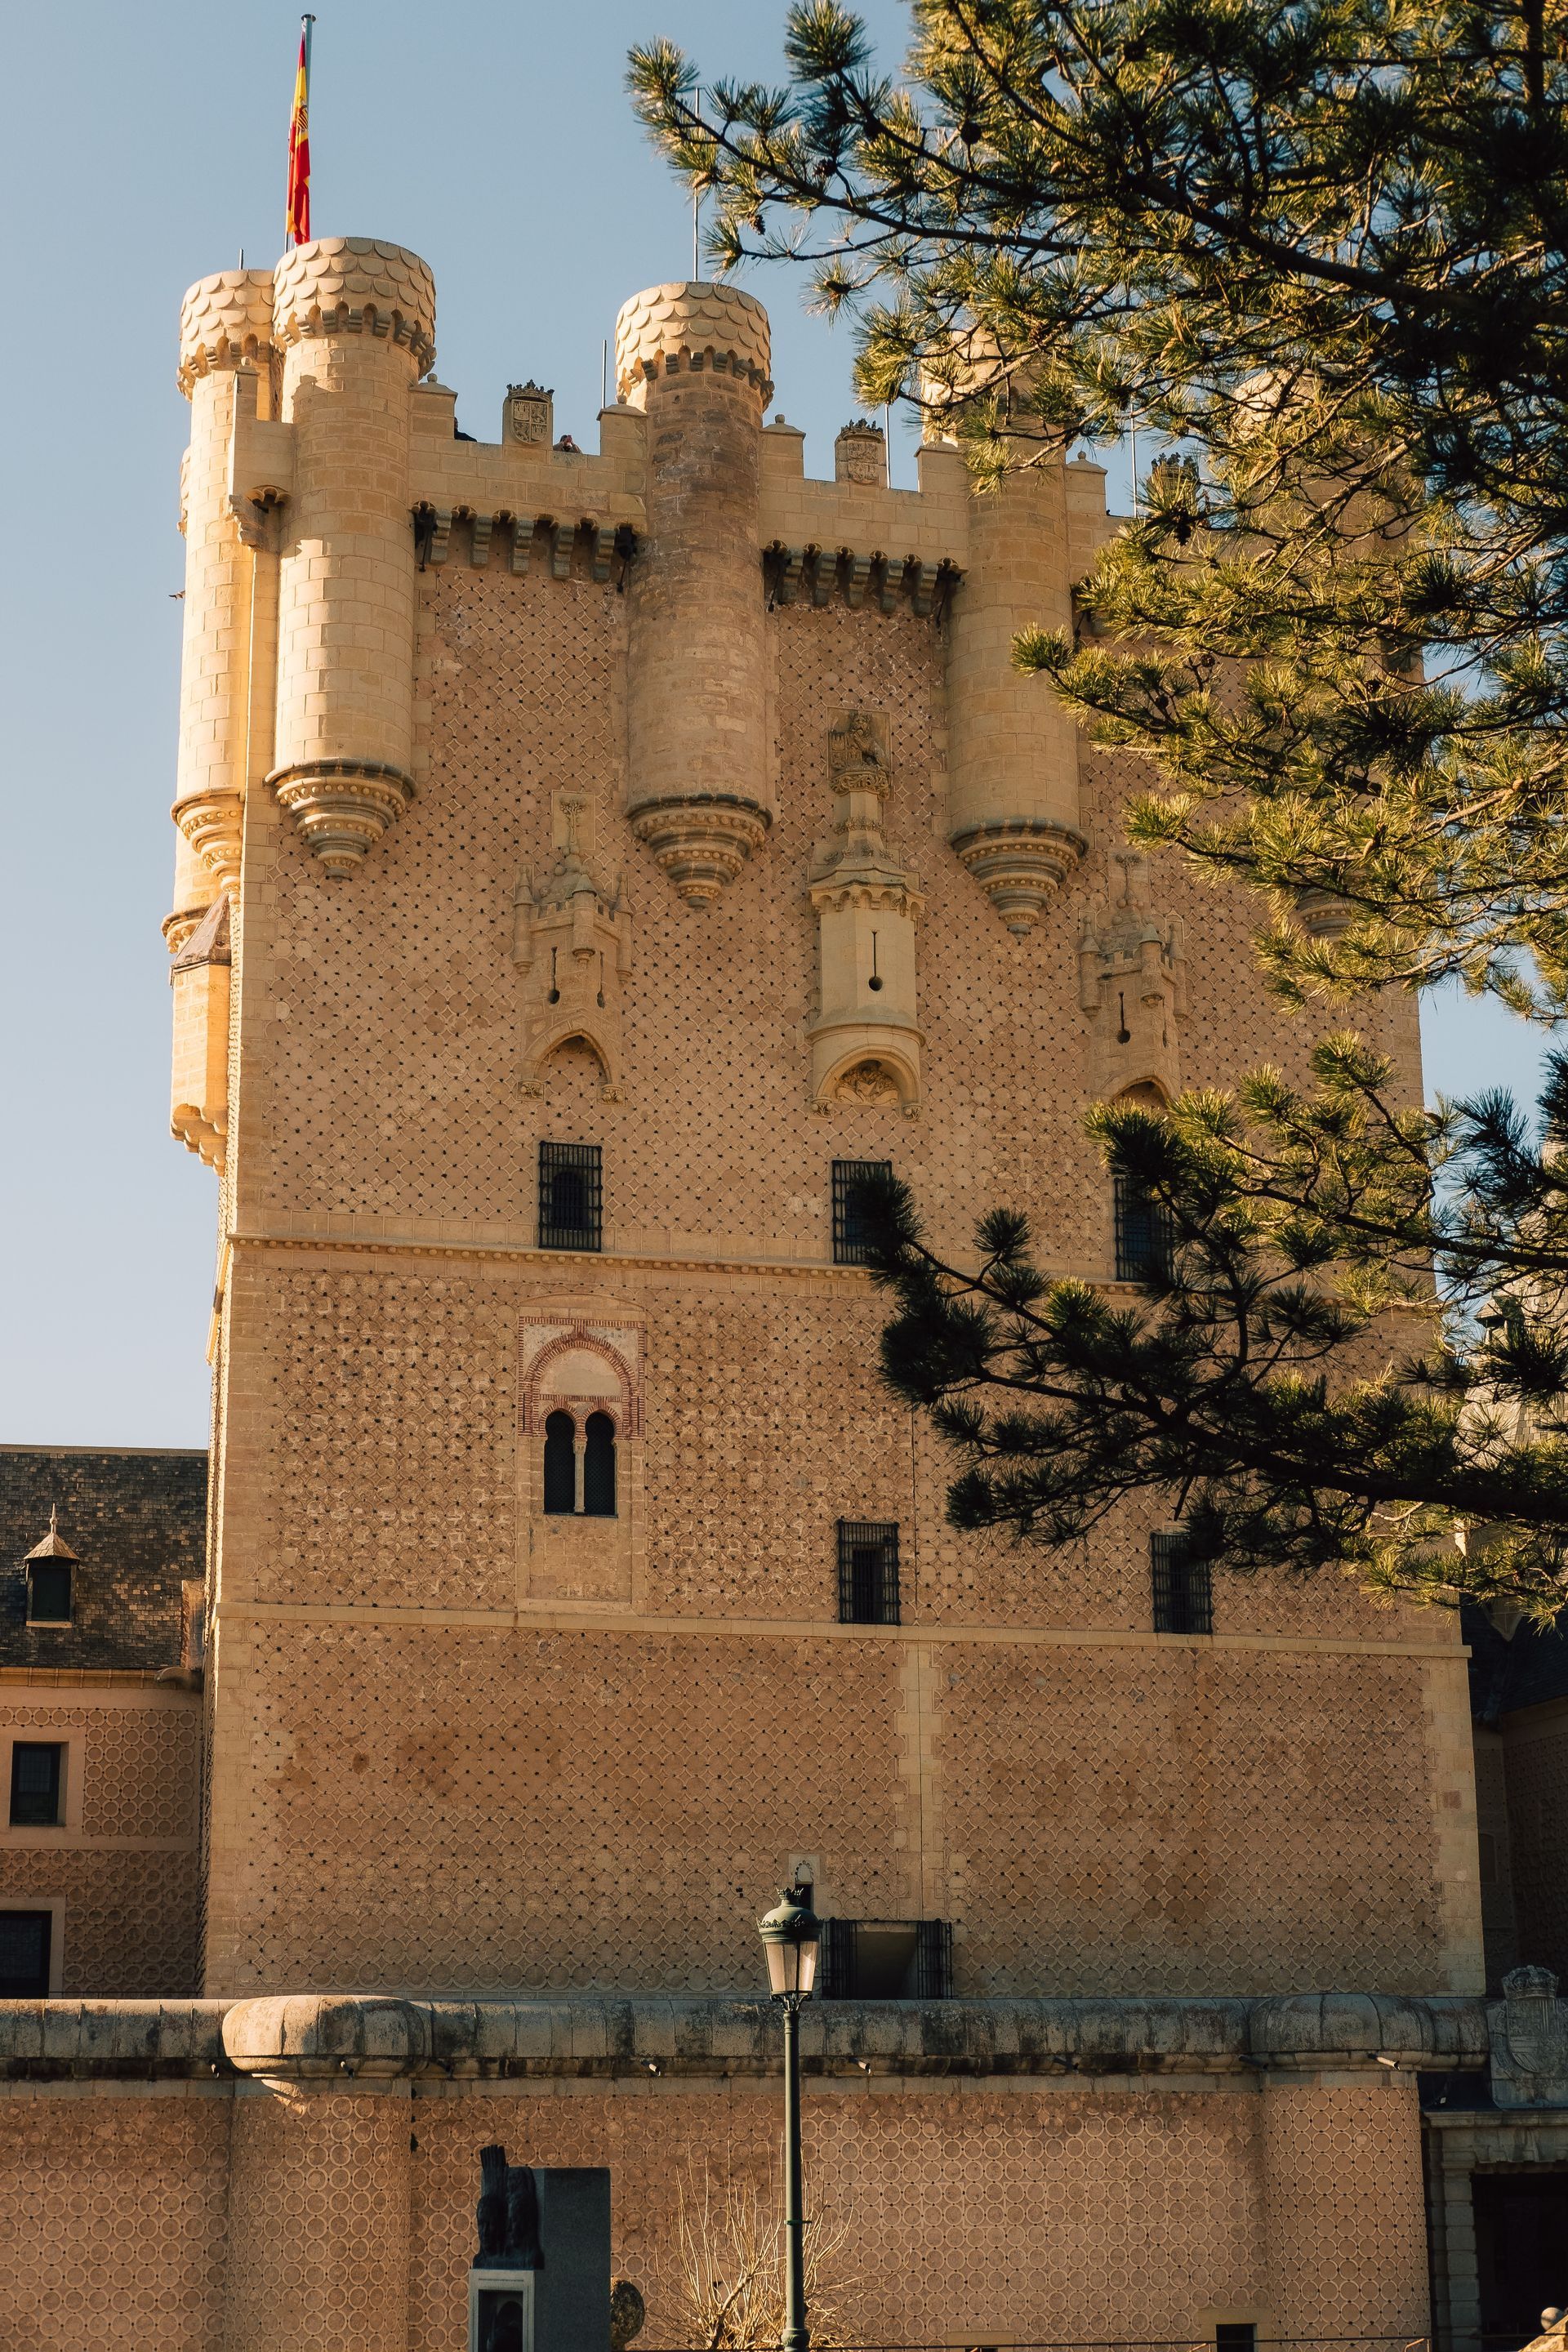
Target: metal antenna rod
696	211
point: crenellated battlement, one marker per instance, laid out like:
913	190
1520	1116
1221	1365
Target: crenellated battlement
326	475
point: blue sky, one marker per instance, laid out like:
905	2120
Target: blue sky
494	140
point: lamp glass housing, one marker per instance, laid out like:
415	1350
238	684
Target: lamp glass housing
790	1937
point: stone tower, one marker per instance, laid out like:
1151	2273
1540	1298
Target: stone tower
586	862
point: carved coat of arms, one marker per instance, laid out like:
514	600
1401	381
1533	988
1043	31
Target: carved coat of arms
529	409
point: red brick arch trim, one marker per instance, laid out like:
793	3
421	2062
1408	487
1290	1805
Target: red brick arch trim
625	1413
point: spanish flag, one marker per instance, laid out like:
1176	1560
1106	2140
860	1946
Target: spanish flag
299	229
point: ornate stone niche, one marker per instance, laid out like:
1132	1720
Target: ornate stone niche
1131	984
865	1042
571	941
581	1364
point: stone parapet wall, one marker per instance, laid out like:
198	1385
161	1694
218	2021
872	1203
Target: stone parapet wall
200	2212
319	2037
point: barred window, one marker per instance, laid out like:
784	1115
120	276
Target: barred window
849	1240
886	1959
37	1780
49	1592
24	1937
570	1197
1142	1233
1183	1598
867	1572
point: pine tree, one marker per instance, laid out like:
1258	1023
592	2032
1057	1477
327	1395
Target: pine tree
1317	254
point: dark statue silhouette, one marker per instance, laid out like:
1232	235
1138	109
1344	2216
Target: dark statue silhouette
508	2215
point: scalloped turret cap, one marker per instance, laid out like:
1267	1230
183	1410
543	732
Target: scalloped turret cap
334	284
226	320
691	320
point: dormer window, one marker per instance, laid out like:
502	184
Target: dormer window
51	1568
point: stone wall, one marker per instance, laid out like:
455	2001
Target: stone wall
119	1874
1094	1806
200	2204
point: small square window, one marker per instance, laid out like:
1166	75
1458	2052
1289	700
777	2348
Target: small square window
1183	1593
849	1244
570	1197
867	1572
49	1592
1234	2335
38	1783
887	1959
25	1941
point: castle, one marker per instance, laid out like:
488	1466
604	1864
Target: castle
588	863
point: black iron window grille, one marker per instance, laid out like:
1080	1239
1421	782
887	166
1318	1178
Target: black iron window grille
886	1959
24	1937
571	1211
1183	1591
849	1237
38	1779
1143	1234
867	1572
49	1592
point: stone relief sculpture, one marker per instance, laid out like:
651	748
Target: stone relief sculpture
529	412
1529	2033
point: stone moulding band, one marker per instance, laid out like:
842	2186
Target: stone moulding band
325	2038
342	807
213	822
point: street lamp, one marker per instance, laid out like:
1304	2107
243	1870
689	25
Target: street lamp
790	1934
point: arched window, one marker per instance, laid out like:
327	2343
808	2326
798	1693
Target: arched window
561	1463
599	1467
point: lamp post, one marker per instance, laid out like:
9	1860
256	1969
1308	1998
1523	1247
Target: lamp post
789	1937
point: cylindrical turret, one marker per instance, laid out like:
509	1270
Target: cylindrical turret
225	359
1013	810
226	326
696	359
355	321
